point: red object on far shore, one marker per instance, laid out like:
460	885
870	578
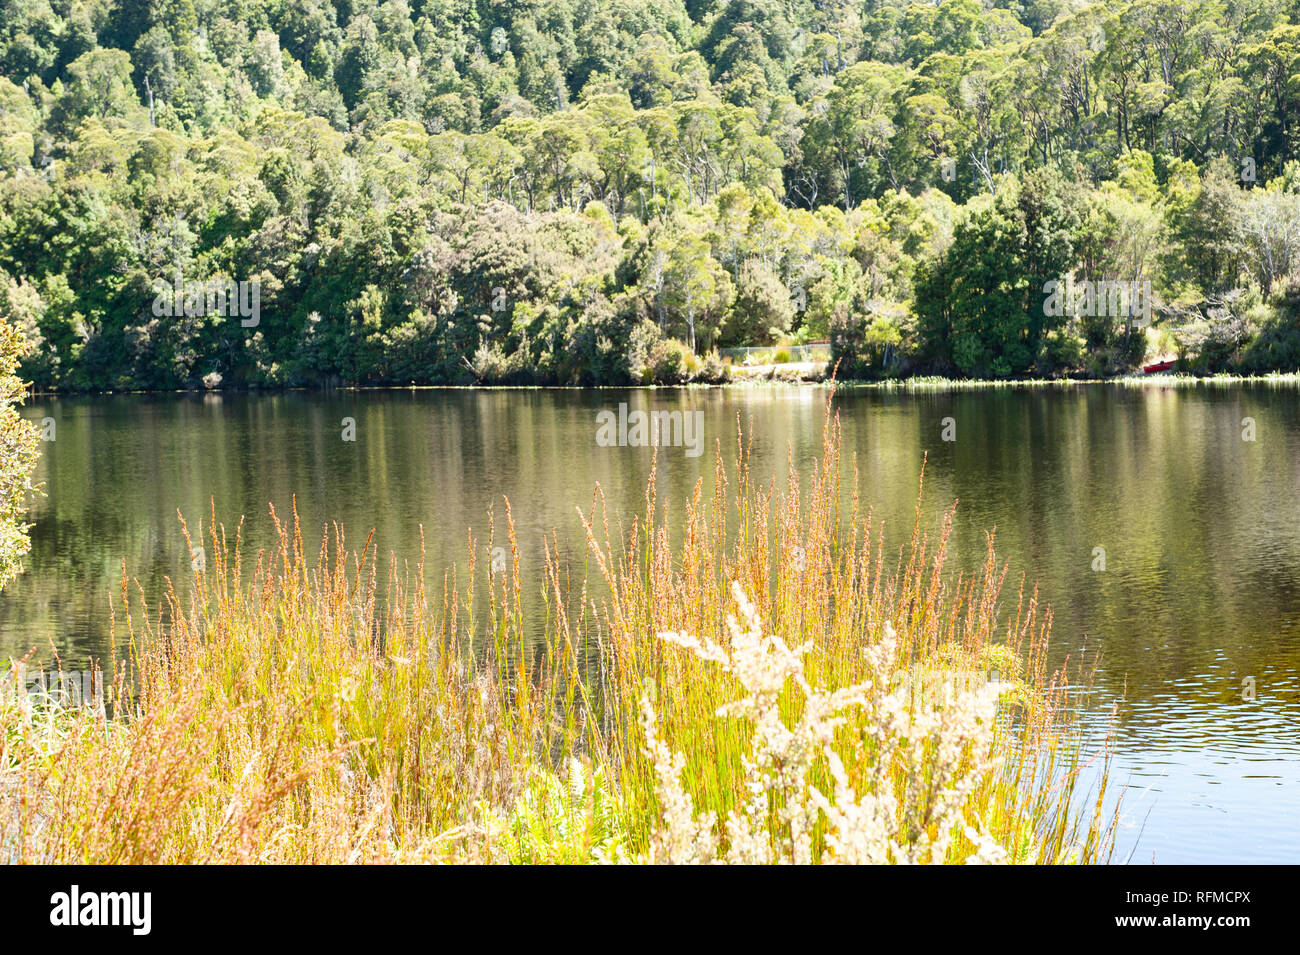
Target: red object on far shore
1158	366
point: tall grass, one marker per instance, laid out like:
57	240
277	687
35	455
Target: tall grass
772	687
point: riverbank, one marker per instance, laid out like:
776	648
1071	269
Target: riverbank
797	375
285	710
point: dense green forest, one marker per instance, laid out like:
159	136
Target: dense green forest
608	191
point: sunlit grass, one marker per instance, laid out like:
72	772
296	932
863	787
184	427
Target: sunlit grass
288	711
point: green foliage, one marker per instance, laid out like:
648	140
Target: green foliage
762	311
19	448
465	192
560	820
866	346
982	305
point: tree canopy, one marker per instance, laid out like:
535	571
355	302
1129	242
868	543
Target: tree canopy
453	191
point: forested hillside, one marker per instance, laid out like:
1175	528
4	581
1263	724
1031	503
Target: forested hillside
607	191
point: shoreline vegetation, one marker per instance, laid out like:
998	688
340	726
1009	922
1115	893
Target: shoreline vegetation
936	383
775	688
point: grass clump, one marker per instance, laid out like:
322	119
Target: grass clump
738	693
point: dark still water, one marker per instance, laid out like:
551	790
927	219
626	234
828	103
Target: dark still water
1199	599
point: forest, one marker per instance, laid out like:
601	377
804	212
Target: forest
581	192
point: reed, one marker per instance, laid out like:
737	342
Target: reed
773	687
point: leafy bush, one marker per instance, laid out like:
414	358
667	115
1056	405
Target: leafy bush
713	370
864	344
670	362
19	449
798	790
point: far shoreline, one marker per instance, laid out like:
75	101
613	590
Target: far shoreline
917	383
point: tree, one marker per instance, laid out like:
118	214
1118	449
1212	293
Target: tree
1270	232
98	86
981	306
1204	223
852	128
694	288
762	310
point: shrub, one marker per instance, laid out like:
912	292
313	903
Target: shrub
940	746
670	362
492	366
1063	350
714	370
19	449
